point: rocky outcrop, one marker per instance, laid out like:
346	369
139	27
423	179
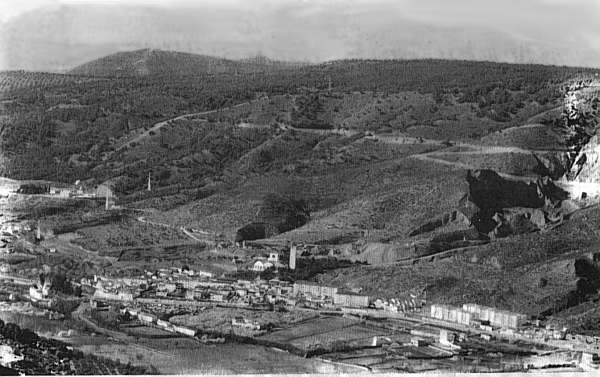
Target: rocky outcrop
552	164
445	219
498	207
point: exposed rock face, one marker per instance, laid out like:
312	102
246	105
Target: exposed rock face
586	167
579	125
553	165
498	207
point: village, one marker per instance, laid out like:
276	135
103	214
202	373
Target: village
427	331
304	317
434	331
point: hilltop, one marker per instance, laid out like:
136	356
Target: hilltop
158	62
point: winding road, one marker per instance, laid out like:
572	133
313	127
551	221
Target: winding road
182	229
157	126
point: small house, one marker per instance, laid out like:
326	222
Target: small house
245	323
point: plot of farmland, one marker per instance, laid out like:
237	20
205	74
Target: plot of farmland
322	331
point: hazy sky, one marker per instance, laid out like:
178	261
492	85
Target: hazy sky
59	34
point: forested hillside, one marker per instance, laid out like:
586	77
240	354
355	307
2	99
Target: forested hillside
61	126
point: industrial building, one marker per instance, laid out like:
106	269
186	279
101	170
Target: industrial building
451	314
496	317
307	287
484	314
351	300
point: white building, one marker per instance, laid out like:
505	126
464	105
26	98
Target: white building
39	293
36	294
245	323
7	356
104	190
260	266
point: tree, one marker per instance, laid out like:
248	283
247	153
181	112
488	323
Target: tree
285	212
309	113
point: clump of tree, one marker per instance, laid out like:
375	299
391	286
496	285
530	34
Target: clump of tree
277	214
44	356
33	189
255	231
284	212
309	112
62	284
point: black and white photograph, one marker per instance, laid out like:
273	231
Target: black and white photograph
286	187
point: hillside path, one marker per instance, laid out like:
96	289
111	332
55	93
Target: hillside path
157	126
182	229
459	165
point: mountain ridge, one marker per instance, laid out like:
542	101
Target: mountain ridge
72	35
149	61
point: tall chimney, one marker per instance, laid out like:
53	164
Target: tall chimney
292	257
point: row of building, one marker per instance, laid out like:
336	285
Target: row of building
313	292
473	314
496	317
152	320
172	284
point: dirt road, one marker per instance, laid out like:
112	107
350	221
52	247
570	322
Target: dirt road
459	165
157	126
182	229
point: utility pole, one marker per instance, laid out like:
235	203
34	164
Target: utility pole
149	186
106	204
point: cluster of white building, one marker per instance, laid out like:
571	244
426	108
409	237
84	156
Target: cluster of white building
326	296
261	264
496	317
396	305
189	286
484	317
